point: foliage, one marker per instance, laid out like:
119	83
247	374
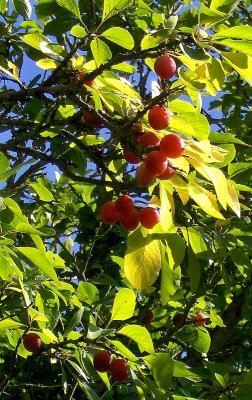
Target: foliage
82	285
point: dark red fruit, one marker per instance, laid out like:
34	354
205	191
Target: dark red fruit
109	213
178	320
172	146
169	172
200	318
124	204
159	117
143	176
32	342
156	162
149	217
130	221
148	318
92	119
130	157
165	67
149	139
102	360
81	75
119	370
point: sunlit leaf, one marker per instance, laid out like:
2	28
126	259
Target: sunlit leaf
140	335
119	36
124	305
142	265
161	366
70	5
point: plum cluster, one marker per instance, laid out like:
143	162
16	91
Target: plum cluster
124	211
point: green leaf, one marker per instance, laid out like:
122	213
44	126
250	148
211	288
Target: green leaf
194	270
9	324
216	137
142	266
48	304
78	31
161	366
8	269
140	335
47	64
239	45
26	228
243	32
186	120
37	41
236	168
70	5
43	193
4	163
23	7
100	51
197	337
197	243
95	332
120	36
124	350
3	6
75	321
124	305
124	67
39	259
182	370
242	63
112	7
241	261
87	293
150	41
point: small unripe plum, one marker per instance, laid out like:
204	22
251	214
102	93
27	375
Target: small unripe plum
144	177
149	139
156	162
158	117
148	318
165	67
102	360
119	370
130	220
172	146
124	204
131	157
200	319
109	213
167	174
32	342
91	119
149	217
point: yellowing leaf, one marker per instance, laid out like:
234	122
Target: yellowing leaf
167	208
47	64
242	63
217	177
142	265
140	335
124	305
205	199
181	188
232	199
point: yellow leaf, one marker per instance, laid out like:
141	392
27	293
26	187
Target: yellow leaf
242	63
232	199
181	188
217	177
205	199
142	265
167	208
47	64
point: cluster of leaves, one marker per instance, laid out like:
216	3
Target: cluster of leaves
82	285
